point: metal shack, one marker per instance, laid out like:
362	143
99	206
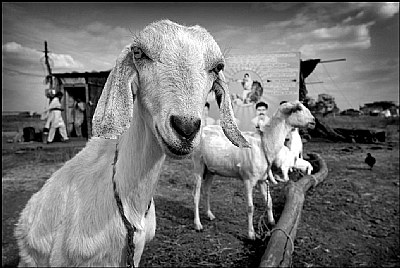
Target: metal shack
84	86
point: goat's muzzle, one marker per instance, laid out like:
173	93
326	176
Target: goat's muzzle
311	125
186	128
180	136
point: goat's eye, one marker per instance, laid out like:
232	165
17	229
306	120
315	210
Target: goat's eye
139	54
218	68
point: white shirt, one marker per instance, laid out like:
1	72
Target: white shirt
260	122
56	118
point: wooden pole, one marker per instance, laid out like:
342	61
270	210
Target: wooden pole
327	61
48	64
281	243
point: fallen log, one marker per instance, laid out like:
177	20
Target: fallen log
280	246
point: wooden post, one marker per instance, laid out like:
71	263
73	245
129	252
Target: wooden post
281	243
88	123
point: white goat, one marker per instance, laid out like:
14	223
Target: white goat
304	166
289	115
76	218
295	144
285	161
216	156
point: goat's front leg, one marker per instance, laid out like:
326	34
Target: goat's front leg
141	237
264	187
197	224
250	208
269	176
208	178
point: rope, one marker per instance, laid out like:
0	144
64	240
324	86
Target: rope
314	178
265	175
131	229
288	236
261	221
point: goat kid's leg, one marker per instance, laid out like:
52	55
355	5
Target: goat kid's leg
208	178
250	208
264	187
285	171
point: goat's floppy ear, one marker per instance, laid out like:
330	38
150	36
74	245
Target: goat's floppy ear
228	124
114	109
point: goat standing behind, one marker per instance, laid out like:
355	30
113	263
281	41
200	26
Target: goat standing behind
74	219
288	116
216	156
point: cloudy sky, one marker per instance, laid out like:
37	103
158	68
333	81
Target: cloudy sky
89	37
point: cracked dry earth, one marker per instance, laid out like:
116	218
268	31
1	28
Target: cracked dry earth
350	219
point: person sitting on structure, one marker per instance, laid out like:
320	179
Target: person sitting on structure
247	83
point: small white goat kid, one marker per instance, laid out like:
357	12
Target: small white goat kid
217	156
76	219
285	161
304	166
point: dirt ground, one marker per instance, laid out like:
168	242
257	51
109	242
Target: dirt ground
351	219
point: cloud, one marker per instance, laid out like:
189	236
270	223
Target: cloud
72	46
339	37
343	32
388	10
65	61
384	10
17	56
20	51
274	6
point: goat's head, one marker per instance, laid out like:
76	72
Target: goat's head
171	69
296	114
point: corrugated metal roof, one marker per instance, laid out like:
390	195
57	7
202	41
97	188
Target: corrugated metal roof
85	74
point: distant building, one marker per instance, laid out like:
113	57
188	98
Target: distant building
351	112
383	108
85	86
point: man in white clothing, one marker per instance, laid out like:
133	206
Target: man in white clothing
56	120
79	116
261	118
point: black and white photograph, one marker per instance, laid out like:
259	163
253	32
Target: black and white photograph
200	134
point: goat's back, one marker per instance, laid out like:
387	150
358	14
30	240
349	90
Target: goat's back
225	159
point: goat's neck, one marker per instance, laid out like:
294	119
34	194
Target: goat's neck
138	166
274	135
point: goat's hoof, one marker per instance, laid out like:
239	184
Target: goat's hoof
252	236
198	227
211	216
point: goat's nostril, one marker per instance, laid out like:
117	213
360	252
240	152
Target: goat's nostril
187	127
